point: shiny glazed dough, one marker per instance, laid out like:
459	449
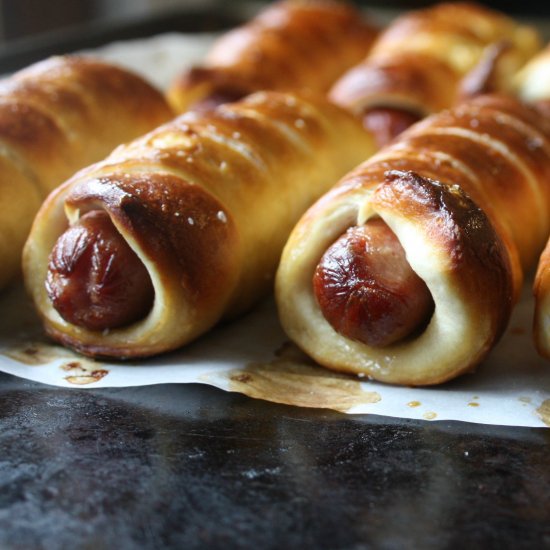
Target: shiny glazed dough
288	46
466	194
207	202
56	117
532	84
541	291
420	62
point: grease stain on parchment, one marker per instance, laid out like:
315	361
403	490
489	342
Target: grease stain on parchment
80	371
83	372
544	411
36	353
430	415
293	379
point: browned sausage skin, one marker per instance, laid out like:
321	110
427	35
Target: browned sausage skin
95	280
217	98
367	290
386	123
543	106
221	88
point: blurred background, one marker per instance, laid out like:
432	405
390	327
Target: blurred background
21	18
33	29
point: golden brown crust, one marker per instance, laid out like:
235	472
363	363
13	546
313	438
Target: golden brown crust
541	292
56	117
287	46
414	82
470	235
532	84
206	201
419	62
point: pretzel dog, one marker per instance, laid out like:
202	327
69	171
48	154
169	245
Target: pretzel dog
429	59
56	117
146	250
407	270
532	85
289	45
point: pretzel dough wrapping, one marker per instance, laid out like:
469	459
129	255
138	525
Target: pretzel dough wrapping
206	202
290	45
532	84
56	117
541	291
466	194
427	59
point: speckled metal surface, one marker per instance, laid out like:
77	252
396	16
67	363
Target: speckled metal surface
188	466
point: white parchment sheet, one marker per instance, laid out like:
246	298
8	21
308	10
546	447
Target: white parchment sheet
253	356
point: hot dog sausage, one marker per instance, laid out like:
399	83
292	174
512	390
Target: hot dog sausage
367	290
388	122
543	106
217	98
95	280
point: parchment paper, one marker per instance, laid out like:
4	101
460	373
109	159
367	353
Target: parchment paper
253	356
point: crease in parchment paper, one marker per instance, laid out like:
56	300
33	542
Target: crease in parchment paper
252	356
